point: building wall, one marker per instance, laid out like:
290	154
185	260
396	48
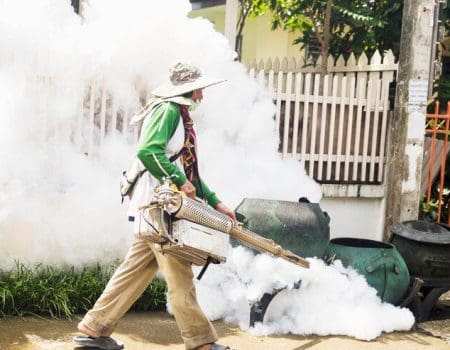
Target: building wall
355	217
259	41
215	15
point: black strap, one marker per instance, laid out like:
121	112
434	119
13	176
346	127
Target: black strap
132	184
176	156
202	272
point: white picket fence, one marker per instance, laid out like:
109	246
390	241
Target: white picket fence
337	123
99	115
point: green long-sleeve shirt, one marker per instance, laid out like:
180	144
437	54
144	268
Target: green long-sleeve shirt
152	149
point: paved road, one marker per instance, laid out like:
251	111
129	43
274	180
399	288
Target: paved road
157	331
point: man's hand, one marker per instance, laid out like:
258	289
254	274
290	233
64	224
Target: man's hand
220	207
188	188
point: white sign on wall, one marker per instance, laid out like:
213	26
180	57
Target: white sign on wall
417	94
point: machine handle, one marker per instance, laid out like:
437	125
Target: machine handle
376	263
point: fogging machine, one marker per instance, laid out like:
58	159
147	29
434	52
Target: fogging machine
193	231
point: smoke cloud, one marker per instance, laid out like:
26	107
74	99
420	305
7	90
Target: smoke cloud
331	300
61	206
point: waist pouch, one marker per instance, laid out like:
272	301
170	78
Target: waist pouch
130	177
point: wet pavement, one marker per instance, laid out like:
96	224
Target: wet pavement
159	331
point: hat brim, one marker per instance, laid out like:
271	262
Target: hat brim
170	90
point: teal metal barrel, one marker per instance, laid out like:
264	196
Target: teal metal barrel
379	262
300	227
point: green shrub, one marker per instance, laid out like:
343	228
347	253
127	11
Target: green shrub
64	291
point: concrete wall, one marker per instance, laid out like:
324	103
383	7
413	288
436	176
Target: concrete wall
355	217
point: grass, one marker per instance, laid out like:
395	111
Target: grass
64	291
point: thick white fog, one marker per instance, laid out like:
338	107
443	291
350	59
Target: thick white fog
331	299
60	206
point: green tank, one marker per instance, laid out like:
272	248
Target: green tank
379	262
301	227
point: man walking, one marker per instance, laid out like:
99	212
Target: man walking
167	138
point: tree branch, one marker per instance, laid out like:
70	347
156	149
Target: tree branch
316	28
326	36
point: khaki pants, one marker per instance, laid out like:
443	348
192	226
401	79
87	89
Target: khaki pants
132	278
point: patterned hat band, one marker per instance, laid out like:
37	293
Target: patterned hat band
183	73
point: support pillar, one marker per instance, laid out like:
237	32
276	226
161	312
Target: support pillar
231	18
407	128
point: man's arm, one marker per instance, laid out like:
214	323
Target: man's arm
152	153
213	201
152	148
209	195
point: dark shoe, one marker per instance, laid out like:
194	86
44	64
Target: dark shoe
215	346
104	343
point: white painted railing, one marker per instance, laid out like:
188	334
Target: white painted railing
99	115
337	123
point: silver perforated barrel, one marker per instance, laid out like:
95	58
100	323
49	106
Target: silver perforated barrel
202	214
186	208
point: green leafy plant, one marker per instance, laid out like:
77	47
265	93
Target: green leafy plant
355	25
429	208
63	291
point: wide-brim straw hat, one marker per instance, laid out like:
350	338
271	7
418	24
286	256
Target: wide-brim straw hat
184	78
